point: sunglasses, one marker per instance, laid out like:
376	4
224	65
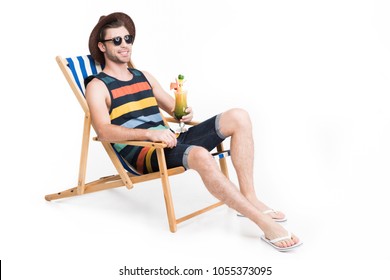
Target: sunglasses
118	40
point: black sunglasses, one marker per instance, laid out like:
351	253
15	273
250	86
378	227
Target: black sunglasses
118	40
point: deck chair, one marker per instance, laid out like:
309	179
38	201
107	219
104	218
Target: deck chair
75	70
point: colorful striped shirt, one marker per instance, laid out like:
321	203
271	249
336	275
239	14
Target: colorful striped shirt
133	105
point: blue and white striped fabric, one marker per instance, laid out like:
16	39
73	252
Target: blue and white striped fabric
82	67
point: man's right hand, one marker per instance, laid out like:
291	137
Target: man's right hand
166	136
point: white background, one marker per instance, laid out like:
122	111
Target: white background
315	77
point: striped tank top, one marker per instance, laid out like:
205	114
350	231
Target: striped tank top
133	105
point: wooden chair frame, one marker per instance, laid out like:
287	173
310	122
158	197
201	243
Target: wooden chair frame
125	178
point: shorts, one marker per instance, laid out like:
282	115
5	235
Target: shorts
206	134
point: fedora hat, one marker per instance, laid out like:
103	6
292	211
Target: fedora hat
94	38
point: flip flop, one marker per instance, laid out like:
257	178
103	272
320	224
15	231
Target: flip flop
273	241
268	212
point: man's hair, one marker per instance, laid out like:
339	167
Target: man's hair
114	24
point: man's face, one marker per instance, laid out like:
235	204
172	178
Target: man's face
117	53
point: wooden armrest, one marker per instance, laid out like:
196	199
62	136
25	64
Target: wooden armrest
137	143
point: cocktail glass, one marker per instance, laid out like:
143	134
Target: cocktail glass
180	108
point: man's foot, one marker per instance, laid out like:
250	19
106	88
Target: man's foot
277	216
279	238
272	214
277	241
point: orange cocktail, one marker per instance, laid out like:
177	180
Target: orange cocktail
180	101
180	104
180	98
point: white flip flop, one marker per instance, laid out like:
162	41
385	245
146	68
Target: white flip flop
276	240
268	212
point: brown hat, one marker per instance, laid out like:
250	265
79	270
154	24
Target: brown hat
94	37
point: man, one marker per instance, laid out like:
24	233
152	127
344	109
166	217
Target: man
124	105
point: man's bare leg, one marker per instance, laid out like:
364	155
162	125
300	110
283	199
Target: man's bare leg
223	189
236	123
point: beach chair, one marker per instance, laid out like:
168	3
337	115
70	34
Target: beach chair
75	70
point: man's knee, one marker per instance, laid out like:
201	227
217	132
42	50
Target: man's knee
239	114
199	157
235	118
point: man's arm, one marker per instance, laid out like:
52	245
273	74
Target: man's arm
164	100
